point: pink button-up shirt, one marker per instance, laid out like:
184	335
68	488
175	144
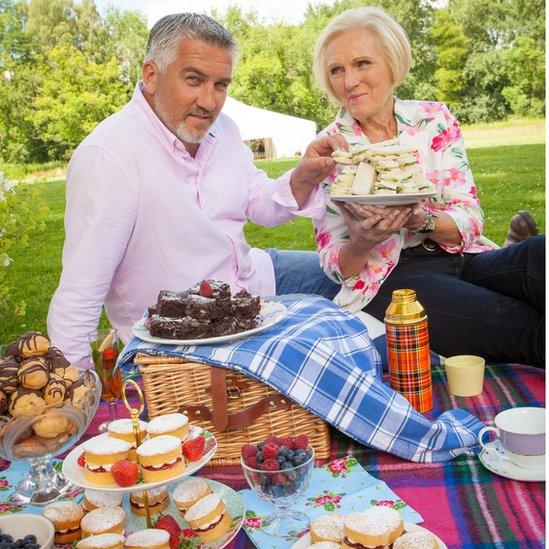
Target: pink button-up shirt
143	215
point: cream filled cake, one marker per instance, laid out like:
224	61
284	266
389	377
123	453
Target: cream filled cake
160	458
375	527
176	425
189	492
123	429
102	541
327	528
208	517
158	498
66	517
106	520
94	499
149	539
101	453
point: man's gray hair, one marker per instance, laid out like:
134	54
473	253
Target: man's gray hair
171	29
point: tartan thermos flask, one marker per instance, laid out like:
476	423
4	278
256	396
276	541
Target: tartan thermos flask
408	350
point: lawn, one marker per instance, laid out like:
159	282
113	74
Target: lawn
509	178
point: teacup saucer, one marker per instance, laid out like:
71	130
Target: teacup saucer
490	458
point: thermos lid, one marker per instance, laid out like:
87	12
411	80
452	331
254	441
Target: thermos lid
404	308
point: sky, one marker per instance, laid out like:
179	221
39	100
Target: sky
287	11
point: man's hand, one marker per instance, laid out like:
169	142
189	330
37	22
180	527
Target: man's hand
315	166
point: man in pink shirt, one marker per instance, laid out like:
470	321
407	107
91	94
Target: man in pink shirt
159	193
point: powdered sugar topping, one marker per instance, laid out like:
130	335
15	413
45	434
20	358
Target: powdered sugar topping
325	545
151	536
152	493
374	521
104	445
159	445
166	423
100	541
420	539
103	499
203	507
62	511
103	519
329	527
125	426
190	489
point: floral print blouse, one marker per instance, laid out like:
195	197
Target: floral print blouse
434	131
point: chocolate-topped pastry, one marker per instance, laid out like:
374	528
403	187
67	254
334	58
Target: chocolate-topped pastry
56	359
12	350
33	344
8	374
26	401
55	389
33	373
70	374
77	393
3	402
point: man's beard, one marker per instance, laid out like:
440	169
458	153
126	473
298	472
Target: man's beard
186	134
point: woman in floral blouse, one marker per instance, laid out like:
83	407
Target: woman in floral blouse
479	299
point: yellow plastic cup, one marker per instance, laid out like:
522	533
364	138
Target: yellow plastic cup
465	375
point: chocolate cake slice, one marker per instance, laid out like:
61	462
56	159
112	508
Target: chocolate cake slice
178	328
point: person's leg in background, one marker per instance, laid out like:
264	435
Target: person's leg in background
465	318
299	272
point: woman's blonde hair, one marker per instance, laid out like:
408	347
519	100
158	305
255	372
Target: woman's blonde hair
391	37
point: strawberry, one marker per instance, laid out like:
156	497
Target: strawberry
81	460
248	450
125	472
301	442
193	449
168	523
206	289
270	450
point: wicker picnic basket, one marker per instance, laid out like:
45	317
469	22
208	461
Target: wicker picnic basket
235	408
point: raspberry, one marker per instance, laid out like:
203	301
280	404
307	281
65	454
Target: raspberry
287	441
270	464
248	450
206	289
251	462
272	439
300	442
279	478
270	450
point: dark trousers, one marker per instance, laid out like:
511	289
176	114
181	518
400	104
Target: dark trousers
490	304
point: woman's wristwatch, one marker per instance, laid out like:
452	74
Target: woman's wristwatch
430	223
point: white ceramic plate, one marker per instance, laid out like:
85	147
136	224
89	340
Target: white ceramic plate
271	314
305	541
232	500
75	473
490	458
384	199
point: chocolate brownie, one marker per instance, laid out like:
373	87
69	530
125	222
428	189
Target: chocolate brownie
204	310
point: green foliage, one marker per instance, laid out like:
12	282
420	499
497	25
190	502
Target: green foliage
22	214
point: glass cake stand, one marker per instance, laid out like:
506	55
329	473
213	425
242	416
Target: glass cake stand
44	483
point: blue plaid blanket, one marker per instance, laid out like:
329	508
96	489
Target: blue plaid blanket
322	358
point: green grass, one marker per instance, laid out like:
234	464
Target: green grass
509	178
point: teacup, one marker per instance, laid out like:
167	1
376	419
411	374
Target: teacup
521	432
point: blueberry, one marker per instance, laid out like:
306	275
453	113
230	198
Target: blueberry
283	451
259	457
281	460
286	465
291	454
277	491
260	446
300	458
29	538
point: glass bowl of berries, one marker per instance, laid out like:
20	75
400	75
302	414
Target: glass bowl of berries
279	471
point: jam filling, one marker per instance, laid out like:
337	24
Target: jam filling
68	531
139	506
100	470
162	467
210	526
360	546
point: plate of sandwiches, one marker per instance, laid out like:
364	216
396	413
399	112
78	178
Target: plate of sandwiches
159	457
333	532
381	176
207	314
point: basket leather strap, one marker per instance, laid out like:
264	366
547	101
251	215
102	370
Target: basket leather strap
219	415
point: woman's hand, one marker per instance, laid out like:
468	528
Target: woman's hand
371	225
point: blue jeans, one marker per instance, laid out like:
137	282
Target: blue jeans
490	304
299	272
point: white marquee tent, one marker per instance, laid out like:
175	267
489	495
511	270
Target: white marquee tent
288	134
